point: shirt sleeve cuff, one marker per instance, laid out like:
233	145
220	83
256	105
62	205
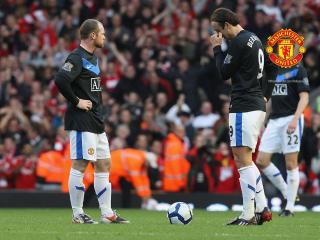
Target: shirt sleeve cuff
217	49
75	101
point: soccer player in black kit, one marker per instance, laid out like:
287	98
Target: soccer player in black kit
246	65
283	134
79	82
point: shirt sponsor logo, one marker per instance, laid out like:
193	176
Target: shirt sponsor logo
95	84
280	90
67	66
227	59
286	40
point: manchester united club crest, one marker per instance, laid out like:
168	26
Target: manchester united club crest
285	42
90	151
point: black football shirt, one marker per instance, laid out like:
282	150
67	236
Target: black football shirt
285	95
79	78
246	64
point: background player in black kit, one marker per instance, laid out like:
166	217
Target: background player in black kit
79	82
244	63
283	134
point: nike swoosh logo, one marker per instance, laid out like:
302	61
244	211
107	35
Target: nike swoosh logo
259	191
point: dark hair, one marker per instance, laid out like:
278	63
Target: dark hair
223	15
87	27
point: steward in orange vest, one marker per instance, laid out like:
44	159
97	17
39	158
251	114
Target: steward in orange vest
176	166
50	167
132	165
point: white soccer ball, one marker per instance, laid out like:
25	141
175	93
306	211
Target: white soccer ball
179	213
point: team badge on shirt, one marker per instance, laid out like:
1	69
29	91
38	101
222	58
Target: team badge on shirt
228	58
67	66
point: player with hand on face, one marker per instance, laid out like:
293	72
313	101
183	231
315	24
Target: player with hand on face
246	65
79	82
283	134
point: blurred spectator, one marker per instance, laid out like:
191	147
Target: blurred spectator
157	176
142	142
268	6
123	132
201	175
180	106
225	171
9	163
128	83
186	121
186	82
26	175
36	141
125	118
207	118
134	104
221	127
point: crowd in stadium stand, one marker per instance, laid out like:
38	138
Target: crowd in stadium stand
161	93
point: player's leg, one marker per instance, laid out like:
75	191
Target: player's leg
102	185
272	143
263	214
76	186
251	129
291	143
292	181
271	172
261	200
256	120
243	160
240	135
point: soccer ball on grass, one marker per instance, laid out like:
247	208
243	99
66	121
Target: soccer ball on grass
179	213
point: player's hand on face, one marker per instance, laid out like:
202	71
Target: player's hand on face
216	39
85	104
292	126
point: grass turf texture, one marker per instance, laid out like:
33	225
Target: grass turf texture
37	224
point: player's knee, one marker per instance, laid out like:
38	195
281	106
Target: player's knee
290	165
263	161
238	161
291	161
242	157
102	165
79	165
260	163
108	165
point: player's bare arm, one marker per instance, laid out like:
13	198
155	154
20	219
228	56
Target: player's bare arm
303	102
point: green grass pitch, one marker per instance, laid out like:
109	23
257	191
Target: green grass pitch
55	224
